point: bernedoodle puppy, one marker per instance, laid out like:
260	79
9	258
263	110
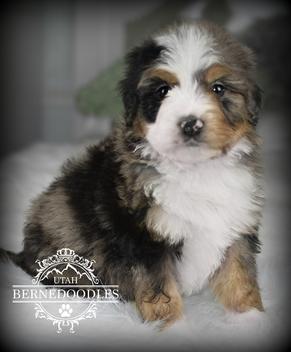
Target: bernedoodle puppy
171	201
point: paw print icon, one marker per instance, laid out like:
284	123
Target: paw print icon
65	310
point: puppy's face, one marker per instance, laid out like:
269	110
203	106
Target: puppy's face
189	94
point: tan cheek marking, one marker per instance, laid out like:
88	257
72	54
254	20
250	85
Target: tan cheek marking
219	133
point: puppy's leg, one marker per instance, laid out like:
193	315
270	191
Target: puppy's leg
163	304
235	283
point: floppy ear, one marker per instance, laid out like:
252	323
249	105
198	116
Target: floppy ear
138	60
254	102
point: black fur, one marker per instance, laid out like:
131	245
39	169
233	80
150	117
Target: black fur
229	111
150	99
137	61
125	245
254	243
254	101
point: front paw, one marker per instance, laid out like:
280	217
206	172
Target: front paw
161	307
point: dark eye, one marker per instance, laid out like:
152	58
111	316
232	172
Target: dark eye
163	91
218	89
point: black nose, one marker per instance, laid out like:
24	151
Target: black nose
191	126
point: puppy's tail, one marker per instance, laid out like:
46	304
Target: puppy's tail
6	256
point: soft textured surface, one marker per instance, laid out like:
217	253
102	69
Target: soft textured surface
206	324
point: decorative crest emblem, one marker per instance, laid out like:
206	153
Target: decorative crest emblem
71	293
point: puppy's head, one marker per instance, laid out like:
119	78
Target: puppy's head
189	94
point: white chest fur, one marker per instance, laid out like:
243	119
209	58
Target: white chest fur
206	206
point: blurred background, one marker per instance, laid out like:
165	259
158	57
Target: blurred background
60	64
61	60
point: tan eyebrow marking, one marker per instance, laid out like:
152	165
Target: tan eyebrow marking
165	75
215	72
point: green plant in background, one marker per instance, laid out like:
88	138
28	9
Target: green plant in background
100	97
